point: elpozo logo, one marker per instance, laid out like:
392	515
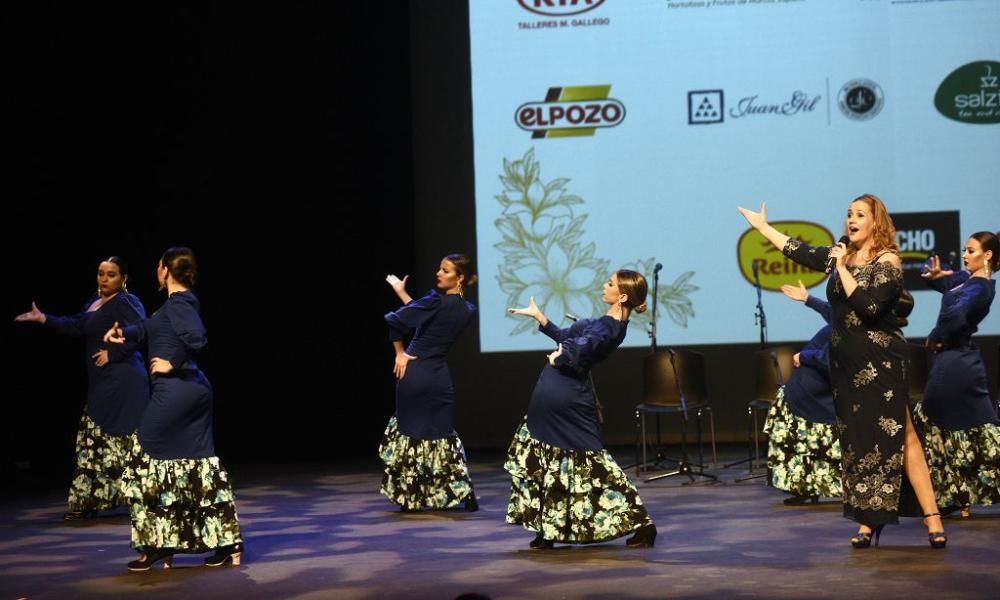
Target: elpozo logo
559	8
774	268
575	111
860	99
971	93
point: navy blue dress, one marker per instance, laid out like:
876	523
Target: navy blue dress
957	396
808	392
178	422
118	392
425	396
562	412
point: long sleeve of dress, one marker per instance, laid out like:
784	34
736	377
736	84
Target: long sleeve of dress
820	306
580	352
554	332
880	294
71	325
943	284
953	323
813	257
187	326
816	352
410	316
127	312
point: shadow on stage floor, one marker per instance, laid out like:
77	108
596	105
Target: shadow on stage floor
322	531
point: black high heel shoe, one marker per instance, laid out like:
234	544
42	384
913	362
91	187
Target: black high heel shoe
151	557
79	515
540	543
864	538
645	537
796	500
225	554
937	538
471	504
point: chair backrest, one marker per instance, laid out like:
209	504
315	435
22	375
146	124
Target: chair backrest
773	367
660	386
918	369
690	367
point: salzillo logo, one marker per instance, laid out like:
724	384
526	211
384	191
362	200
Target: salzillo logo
705	107
971	93
570	112
860	99
559	8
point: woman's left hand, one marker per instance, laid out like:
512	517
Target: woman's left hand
553	356
100	357
160	366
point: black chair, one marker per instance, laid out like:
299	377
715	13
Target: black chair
773	367
674	384
919	369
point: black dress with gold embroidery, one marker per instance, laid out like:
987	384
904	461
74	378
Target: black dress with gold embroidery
868	361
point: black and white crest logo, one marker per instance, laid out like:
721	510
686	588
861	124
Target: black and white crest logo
705	107
860	99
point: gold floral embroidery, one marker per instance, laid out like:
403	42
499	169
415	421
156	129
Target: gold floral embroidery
872	483
890	426
872	308
852	319
791	246
835	338
887	364
865	376
880	337
887	395
855	407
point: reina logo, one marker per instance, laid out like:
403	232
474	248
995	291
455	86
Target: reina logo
576	111
559	8
775	268
971	93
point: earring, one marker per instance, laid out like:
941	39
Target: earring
460	289
125	286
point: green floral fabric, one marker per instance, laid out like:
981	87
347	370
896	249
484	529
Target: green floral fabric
803	457
423	473
570	496
100	461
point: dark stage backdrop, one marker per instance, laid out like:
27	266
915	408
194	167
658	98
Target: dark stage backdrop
274	141
493	390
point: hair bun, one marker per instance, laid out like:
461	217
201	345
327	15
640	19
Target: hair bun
641	308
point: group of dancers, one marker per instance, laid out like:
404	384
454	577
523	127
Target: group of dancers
841	426
145	440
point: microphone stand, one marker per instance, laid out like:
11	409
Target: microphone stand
759	317
652	320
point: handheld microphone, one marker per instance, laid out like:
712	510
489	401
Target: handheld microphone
831	263
572	317
657	268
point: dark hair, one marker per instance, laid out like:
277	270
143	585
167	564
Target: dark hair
119	262
633	285
989	241
181	265
463	265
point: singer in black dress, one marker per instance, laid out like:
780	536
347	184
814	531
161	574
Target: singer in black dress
565	486
868	361
957	414
425	463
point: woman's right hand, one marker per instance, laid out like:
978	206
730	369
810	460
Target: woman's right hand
934	271
796	293
115	335
398	285
756	219
795	360
399	368
529	311
32	316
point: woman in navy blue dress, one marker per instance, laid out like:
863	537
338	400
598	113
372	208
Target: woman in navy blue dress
803	453
565	486
957	414
425	464
180	498
117	390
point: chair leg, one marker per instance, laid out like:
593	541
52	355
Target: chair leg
711	429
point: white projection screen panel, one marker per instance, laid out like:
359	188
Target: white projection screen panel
620	133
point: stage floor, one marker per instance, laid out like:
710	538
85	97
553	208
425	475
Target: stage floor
319	531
